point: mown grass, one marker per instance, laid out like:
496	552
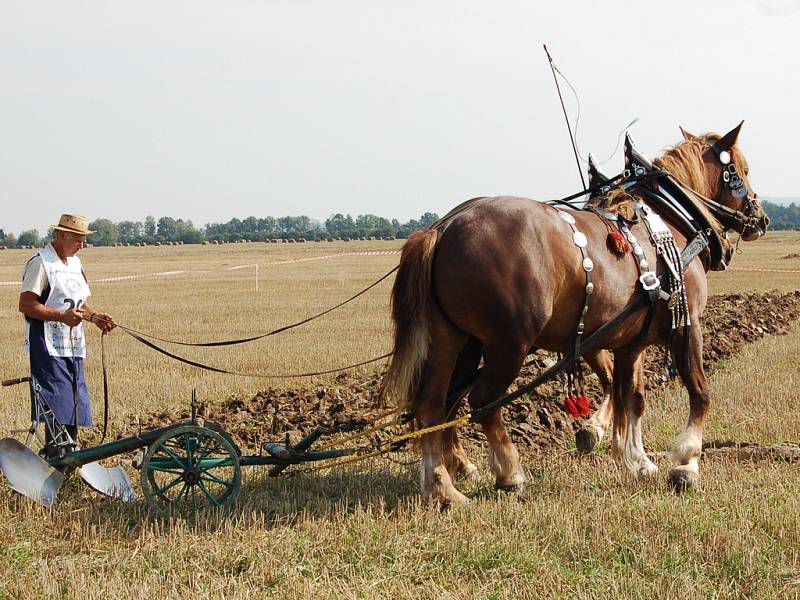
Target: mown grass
584	530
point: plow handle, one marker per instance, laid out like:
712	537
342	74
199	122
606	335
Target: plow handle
15	381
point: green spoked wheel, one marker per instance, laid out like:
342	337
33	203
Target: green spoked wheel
190	469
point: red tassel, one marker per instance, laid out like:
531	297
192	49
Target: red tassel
582	404
572	408
618	243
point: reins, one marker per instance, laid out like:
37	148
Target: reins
145	338
132	331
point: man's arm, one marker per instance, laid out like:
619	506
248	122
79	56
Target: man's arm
31	306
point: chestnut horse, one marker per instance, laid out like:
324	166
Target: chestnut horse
500	277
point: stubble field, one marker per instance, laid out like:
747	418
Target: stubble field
585	529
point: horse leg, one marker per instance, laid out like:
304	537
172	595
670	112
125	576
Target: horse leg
501	367
430	409
629	371
590	435
688	446
458	463
620	417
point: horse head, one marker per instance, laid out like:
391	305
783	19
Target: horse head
725	187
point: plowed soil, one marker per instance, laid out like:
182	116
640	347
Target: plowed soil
538	421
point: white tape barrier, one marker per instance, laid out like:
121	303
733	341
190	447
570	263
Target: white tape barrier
365	253
254	265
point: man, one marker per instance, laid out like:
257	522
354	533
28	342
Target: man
53	300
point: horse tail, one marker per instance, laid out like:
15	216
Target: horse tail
412	301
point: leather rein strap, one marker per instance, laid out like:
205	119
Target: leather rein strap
132	331
135	335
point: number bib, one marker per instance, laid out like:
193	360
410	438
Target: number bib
68	289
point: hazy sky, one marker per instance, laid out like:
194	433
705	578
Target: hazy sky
213	110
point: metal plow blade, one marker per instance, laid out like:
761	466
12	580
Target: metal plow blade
28	474
112	482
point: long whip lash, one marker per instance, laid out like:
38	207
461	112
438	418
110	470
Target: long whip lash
566	118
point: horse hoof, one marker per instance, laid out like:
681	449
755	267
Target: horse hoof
519	490
585	440
682	480
646	471
471	473
448	500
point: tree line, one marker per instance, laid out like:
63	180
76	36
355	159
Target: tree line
168	229
783	217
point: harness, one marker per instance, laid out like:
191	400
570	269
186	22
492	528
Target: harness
656	187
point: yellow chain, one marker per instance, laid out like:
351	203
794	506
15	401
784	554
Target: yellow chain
390	444
364	432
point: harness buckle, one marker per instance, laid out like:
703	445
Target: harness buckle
649	281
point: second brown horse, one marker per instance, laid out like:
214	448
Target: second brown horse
499	277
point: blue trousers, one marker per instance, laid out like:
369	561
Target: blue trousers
62	382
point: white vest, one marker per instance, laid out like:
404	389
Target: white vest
68	289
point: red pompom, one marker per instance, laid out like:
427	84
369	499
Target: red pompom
618	243
582	404
571	406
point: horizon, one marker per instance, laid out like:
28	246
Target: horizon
789	200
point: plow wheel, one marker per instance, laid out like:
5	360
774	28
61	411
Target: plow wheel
190	469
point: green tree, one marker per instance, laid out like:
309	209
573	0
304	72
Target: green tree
29	238
105	232
340	224
167	229
7	239
428	219
150	229
130	232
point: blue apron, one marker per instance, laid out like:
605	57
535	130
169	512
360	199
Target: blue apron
62	382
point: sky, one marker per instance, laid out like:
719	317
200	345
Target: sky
212	110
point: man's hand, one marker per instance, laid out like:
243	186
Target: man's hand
72	317
104	321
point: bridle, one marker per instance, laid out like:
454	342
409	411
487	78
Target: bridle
736	220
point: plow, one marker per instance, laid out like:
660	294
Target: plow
186	467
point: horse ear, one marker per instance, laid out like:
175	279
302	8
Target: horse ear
729	139
686	135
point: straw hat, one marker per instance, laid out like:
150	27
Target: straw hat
73	224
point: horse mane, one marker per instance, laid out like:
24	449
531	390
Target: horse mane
685	163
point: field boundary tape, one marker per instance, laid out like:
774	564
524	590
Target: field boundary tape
326	256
